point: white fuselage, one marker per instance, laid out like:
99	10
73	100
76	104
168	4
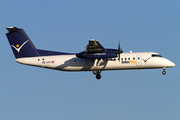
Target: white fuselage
140	60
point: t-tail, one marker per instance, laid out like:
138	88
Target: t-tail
20	43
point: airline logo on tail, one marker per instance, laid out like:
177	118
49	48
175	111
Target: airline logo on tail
18	48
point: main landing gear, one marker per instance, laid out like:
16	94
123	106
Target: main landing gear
164	71
96	71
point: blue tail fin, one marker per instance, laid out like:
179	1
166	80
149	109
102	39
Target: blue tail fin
20	43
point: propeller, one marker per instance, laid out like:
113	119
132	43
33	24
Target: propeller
119	51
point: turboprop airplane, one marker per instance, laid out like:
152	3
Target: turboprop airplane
95	58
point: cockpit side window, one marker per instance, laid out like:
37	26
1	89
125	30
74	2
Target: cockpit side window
156	55
160	56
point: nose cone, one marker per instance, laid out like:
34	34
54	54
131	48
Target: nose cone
170	64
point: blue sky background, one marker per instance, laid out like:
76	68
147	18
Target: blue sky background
31	93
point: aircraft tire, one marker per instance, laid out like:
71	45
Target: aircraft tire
95	72
98	76
163	72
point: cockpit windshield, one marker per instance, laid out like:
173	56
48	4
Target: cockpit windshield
156	55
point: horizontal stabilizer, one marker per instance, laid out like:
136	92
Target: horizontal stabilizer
12	29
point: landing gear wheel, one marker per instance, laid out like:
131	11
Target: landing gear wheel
163	72
98	76
95	72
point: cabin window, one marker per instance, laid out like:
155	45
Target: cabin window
128	58
125	59
138	58
133	58
122	59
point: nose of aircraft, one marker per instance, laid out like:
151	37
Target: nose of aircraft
170	64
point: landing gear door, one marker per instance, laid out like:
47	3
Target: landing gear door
138	60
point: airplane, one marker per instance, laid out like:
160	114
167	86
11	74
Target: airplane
95	58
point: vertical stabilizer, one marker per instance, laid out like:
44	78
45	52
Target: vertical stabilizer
20	43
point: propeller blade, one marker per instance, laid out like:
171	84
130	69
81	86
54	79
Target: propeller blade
118	47
119	51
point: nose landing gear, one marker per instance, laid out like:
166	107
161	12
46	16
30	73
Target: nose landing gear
164	71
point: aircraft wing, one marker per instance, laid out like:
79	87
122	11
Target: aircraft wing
95	50
94	46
